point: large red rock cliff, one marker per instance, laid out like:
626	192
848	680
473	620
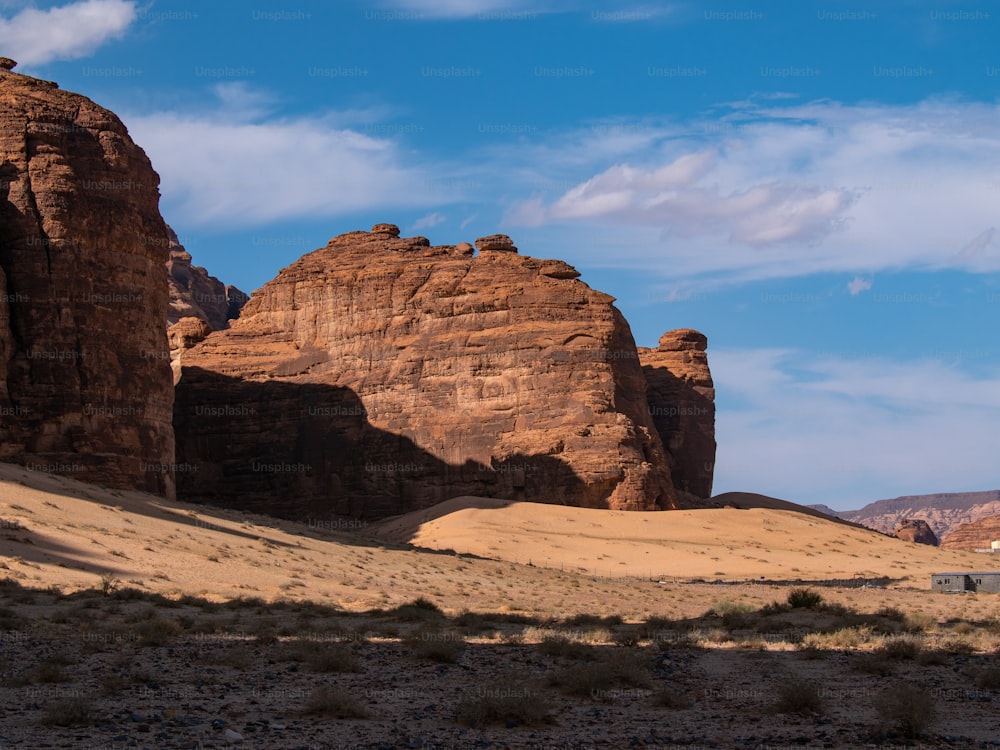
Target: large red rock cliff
85	383
380	374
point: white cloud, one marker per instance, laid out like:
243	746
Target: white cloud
239	166
845	431
857	285
772	190
428	221
67	32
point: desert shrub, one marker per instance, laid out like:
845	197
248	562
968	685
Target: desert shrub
907	709
932	658
442	647
804	599
730	607
619	669
672	698
798	696
874	664
68	712
559	646
419	610
958	647
627	636
320	656
918	622
811	653
157	632
583	621
892	613
506	701
334	702
332	657
902	649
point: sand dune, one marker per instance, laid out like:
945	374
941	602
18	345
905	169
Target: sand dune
546	560
728	543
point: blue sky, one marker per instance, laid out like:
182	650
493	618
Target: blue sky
816	186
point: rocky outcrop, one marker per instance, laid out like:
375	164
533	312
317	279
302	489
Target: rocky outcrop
196	294
944	512
916	530
85	386
977	535
379	375
681	402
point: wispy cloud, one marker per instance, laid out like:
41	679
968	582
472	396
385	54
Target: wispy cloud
460	9
240	165
824	428
772	189
857	285
66	32
428	221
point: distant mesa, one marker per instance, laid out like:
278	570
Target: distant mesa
976	536
916	530
944	512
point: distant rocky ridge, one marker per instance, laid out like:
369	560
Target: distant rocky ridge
196	294
85	386
681	400
977	535
380	374
944	512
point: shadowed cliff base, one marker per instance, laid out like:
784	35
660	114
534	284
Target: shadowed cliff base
318	456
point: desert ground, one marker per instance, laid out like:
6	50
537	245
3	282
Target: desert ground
131	621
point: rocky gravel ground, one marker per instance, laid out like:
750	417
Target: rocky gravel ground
108	672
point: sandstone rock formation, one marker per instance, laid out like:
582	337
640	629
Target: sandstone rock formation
378	375
916	530
977	535
196	294
681	401
944	512
85	386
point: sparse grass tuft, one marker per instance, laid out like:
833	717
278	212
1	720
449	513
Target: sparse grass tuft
68	712
906	709
334	703
618	669
506	701
798	696
442	647
902	648
157	631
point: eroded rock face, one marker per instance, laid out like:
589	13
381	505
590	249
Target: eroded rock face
85	384
681	402
977	535
379	375
196	294
916	530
